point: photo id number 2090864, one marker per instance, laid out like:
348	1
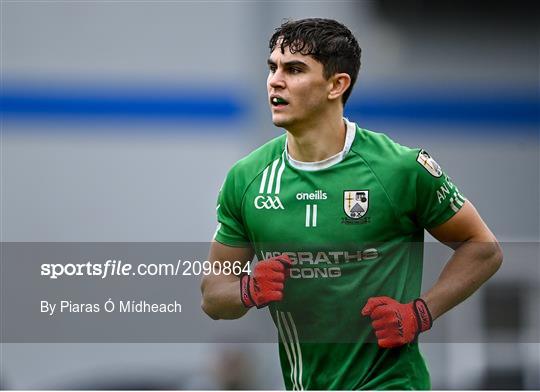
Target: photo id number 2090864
207	267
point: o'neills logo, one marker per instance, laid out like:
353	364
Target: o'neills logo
317	195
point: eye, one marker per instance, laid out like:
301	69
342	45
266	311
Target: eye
295	70
272	68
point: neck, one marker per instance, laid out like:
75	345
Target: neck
317	141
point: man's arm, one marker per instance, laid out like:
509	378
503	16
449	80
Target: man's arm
477	256
221	293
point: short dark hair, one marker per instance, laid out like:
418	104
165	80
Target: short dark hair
327	41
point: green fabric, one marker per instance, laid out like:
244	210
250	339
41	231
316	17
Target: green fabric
340	259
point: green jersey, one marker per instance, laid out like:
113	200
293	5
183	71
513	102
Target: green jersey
353	225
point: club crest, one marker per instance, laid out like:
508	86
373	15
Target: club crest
429	163
355	203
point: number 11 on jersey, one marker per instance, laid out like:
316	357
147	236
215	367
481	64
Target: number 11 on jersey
311	215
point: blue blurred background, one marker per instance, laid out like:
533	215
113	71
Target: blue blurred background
120	120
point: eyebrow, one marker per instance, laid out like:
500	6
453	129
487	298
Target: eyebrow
291	63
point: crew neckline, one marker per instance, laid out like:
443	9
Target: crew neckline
330	161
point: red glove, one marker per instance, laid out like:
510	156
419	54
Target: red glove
396	324
266	283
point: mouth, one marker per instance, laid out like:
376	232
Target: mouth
278	102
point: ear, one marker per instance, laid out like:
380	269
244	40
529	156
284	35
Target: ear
339	83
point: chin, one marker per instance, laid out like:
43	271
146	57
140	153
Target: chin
281	121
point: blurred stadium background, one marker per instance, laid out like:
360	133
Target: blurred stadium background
120	120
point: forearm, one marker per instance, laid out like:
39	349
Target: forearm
221	293
470	266
221	299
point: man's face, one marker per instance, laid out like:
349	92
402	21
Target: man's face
298	80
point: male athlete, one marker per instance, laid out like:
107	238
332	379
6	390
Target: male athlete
336	216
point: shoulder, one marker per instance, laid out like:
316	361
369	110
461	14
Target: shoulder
244	171
379	149
256	161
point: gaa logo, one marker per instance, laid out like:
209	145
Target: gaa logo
268	203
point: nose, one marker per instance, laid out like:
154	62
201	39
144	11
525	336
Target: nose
275	79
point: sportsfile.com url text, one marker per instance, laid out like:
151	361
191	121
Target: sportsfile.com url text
119	268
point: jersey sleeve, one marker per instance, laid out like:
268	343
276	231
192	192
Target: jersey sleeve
230	230
437	197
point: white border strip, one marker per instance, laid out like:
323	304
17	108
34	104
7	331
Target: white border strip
286	345
280	172
272	175
298	348
263	181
